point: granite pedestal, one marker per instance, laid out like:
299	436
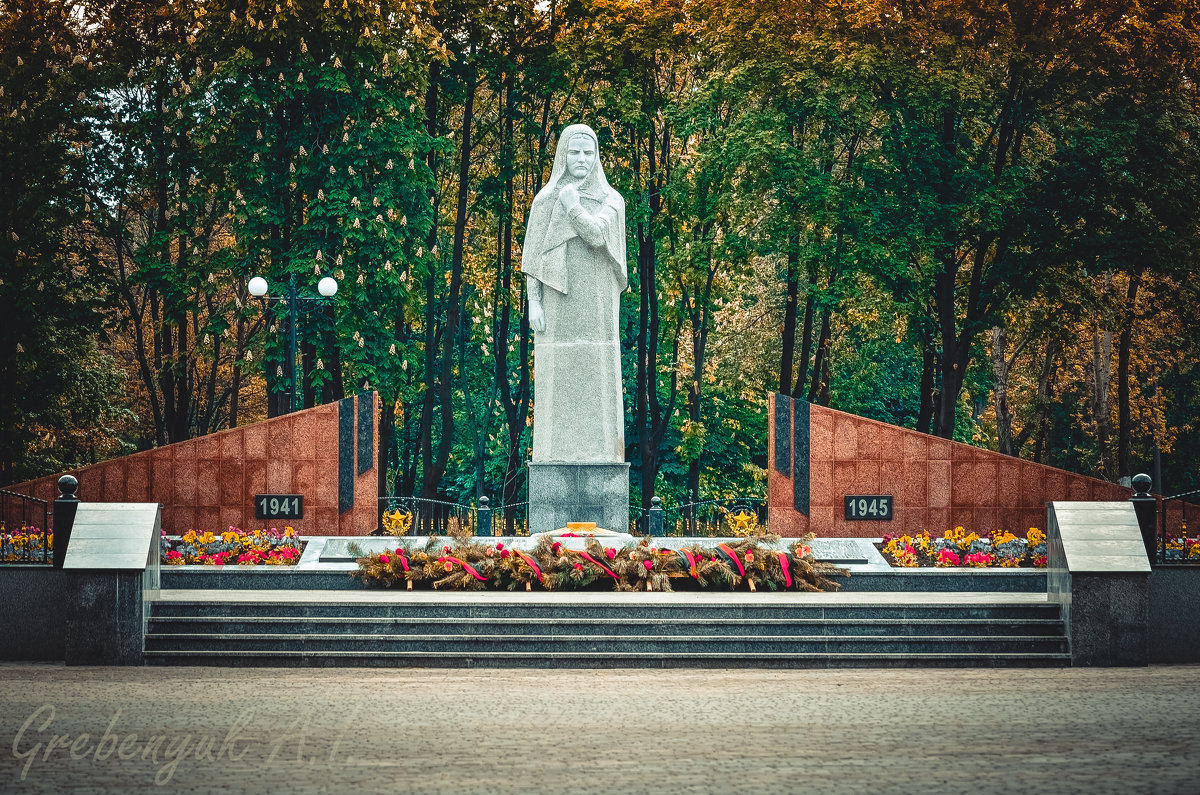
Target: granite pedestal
569	492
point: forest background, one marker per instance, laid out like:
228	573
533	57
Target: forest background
973	218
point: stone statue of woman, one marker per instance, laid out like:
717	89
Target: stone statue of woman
574	265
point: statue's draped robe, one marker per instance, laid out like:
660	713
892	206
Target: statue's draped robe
579	257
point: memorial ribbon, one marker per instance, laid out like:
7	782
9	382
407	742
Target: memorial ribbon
783	563
403	560
610	572
733	556
532	564
467	568
687	553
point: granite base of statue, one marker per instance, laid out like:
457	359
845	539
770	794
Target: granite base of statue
575	271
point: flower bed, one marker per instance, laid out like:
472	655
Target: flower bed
958	548
462	563
1183	547
267	547
27	545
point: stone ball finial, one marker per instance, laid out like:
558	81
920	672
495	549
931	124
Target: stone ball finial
483	502
655	502
67	486
1141	484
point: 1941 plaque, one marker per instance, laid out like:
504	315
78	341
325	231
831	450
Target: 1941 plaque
278	506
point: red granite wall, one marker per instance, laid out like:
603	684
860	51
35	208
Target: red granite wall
936	484
209	483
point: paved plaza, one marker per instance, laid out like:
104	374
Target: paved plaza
575	731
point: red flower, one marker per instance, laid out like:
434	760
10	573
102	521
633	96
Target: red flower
384	559
499	546
504	553
649	564
578	567
446	549
610	553
749	556
556	546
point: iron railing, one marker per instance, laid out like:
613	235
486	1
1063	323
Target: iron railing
28	543
1175	547
714	518
419	516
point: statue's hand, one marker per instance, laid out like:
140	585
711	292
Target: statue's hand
569	196
537	316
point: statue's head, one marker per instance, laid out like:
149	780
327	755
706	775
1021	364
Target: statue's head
581	155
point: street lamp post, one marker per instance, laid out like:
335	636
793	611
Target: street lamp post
258	288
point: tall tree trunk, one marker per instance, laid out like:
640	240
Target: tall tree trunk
1101	371
433	476
1124	422
789	318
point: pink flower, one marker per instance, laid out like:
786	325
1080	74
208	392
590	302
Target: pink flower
504	553
556	546
384	559
489	552
610	553
174	554
578	567
499	546
749	556
446	549
649	564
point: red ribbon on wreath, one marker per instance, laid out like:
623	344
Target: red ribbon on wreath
403	560
467	568
687	553
733	556
783	563
610	572
532	564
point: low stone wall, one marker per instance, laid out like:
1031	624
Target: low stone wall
1174	605
33	613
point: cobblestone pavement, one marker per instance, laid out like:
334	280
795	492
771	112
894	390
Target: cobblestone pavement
576	731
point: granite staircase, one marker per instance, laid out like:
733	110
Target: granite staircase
605	630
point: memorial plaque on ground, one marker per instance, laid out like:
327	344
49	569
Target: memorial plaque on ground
839	550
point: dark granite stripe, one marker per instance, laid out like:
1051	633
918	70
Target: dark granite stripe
345	454
366	432
800	468
783	434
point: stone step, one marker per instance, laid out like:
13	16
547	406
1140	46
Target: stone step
337	577
481	609
383	659
624	644
596	629
642	627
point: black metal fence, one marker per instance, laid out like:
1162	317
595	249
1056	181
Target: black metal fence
418	516
25	535
734	516
1175	543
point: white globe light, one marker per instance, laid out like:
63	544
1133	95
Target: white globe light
327	287
257	287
